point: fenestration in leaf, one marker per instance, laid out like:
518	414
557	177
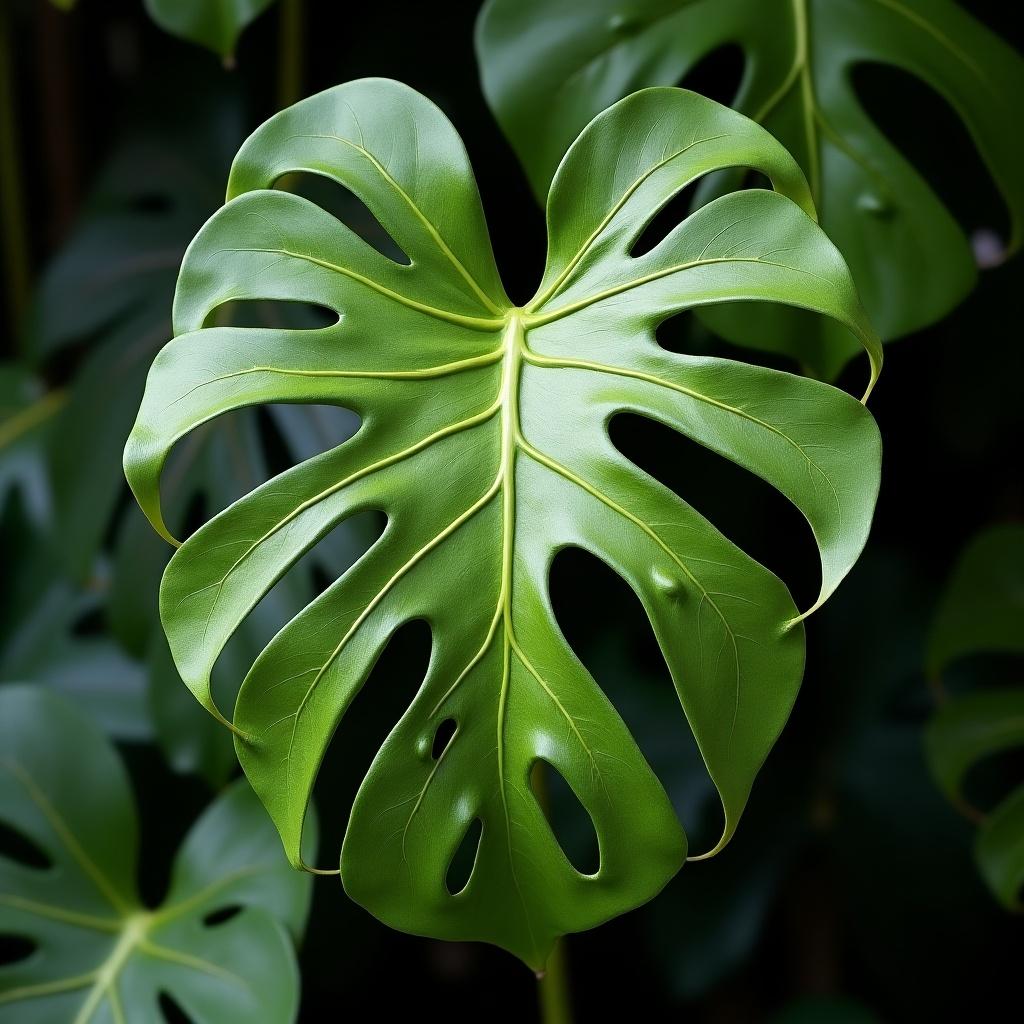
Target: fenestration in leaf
484	441
100	954
548	66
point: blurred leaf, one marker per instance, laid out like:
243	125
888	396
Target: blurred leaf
215	24
982	610
41	611
98	952
473	405
110	291
825	1010
548	66
27	412
982	607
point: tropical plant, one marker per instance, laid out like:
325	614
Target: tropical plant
548	66
215	24
218	946
507	406
981	612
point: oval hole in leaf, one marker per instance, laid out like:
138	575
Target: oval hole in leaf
277	314
383	699
171	1010
992	778
15	948
445	731
222	916
570	821
673	213
345	206
751	513
16	846
717	75
914	117
685	334
461	867
606	626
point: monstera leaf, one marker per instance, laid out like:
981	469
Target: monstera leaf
98	953
484	442
215	24
982	611
548	66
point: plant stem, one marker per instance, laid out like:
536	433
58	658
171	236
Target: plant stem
291	53
553	988
12	201
553	984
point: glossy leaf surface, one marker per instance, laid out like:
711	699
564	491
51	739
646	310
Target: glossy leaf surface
548	66
981	612
99	954
484	441
215	24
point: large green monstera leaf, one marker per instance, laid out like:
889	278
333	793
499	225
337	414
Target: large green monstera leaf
549	66
484	441
96	953
982	612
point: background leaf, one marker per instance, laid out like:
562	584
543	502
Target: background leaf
548	66
97	952
215	24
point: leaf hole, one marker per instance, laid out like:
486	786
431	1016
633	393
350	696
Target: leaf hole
384	697
605	624
345	206
274	314
16	846
923	126
460	868
15	948
685	333
445	731
718	74
222	916
570	821
668	217
171	1011
749	511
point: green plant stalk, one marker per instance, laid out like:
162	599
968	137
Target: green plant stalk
553	988
12	201
291	53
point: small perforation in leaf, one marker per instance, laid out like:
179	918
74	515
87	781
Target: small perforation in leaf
443	736
570	821
221	916
280	314
15	948
171	1010
16	846
345	206
460	869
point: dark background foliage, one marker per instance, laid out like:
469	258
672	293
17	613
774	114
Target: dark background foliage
850	877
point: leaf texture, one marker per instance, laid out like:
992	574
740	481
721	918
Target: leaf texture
484	441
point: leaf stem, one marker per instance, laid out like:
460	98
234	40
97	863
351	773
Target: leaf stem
553	988
291	53
12	201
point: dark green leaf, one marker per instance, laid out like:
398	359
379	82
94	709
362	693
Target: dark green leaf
548	66
101	954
